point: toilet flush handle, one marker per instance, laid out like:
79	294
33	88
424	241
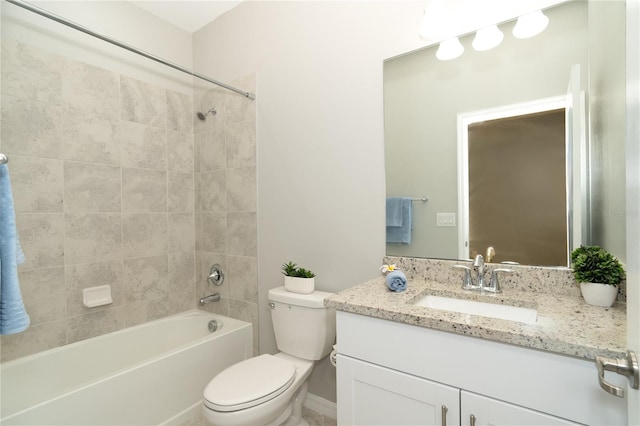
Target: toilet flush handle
272	305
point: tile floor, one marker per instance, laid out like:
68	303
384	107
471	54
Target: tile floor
312	417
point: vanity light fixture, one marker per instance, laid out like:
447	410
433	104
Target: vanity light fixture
487	38
449	49
434	22
530	25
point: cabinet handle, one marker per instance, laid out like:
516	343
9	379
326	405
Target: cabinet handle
444	415
472	420
626	366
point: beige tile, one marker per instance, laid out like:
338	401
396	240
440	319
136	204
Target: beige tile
212	191
214	232
180	192
179	111
212	150
241	144
248	312
142	102
42	239
181	237
34	339
146	278
44	294
92	238
91	187
239	108
79	277
87	89
30	128
31	73
182	274
144	311
90	138
142	146
220	307
144	235
180	157
241	189
36	184
316	419
144	190
242	234
94	324
206	261
242	278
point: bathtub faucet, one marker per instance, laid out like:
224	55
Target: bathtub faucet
215	297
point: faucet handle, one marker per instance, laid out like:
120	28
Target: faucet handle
494	284
467	281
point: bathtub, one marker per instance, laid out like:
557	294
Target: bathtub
149	374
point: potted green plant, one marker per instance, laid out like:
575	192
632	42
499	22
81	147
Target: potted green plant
297	279
599	274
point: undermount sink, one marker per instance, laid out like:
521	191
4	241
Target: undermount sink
472	307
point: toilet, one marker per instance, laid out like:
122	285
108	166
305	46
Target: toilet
270	389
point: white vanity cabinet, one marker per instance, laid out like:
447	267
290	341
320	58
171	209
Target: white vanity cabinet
377	396
371	395
389	373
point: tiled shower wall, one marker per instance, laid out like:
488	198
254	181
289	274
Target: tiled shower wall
226	198
102	169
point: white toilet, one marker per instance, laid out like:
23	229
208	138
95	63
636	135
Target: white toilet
270	389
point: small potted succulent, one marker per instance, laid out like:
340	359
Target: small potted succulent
599	274
297	279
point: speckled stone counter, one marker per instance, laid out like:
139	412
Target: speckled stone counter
565	325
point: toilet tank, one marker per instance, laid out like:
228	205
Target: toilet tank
303	326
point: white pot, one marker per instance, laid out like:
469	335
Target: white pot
599	294
299	285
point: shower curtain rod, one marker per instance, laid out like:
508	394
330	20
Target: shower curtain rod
85	30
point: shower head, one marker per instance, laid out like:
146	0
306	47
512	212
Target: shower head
203	115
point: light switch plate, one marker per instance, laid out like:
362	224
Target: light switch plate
445	219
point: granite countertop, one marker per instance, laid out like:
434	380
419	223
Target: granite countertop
566	324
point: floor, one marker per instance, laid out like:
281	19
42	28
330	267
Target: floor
312	417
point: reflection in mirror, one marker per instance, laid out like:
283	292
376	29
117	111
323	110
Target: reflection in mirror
516	188
423	97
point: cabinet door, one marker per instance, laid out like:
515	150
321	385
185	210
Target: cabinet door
491	412
372	395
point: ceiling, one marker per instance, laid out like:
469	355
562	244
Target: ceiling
186	14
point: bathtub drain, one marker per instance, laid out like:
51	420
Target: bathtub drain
213	325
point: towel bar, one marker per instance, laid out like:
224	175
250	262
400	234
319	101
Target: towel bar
423	199
3	159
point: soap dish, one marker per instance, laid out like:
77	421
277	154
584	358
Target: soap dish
97	296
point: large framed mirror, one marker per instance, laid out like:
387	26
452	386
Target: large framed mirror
424	99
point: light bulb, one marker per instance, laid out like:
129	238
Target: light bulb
530	25
487	38
449	49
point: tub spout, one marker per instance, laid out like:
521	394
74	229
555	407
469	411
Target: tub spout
215	297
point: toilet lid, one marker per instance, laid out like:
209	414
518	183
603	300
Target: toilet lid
249	383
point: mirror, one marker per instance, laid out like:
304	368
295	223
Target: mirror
423	98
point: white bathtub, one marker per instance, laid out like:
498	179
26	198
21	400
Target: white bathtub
150	374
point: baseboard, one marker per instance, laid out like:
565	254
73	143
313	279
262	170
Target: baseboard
321	405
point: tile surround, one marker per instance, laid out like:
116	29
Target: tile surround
226	201
105	170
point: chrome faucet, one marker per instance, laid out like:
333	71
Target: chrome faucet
478	266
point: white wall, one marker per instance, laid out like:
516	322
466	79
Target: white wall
320	142
115	19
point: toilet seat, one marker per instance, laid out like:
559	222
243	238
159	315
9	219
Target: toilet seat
249	383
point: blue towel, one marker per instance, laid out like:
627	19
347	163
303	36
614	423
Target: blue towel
394	211
13	317
396	281
402	233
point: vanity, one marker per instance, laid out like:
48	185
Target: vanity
403	362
